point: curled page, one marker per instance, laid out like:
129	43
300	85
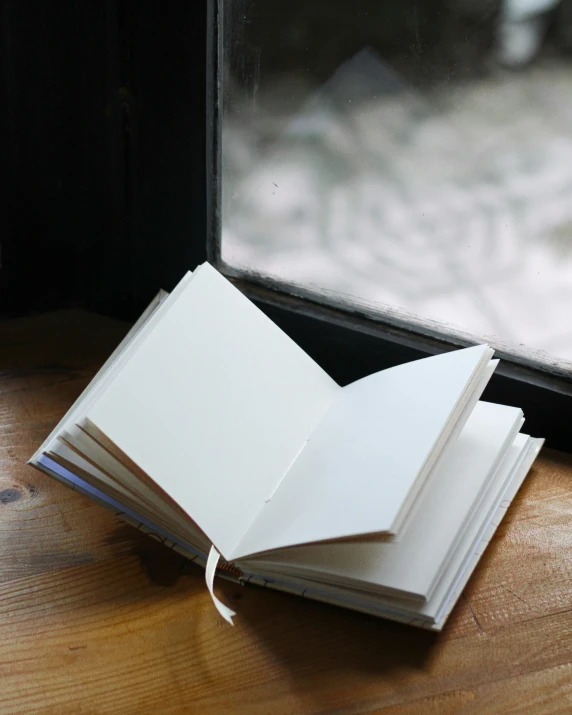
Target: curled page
212	562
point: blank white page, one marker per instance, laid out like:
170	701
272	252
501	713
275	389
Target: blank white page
150	313
360	464
412	563
214	405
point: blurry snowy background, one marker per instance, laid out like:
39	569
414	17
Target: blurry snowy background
412	154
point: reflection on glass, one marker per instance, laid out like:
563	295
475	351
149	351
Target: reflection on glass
413	155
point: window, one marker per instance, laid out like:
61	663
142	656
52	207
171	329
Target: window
113	192
392	180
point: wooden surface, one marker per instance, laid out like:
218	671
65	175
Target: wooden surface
96	618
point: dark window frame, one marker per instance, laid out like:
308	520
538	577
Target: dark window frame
347	342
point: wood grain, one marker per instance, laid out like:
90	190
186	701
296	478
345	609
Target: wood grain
96	618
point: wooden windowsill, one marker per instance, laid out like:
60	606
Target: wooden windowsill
98	618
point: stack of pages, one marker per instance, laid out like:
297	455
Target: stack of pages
211	430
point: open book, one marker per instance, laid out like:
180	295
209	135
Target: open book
210	429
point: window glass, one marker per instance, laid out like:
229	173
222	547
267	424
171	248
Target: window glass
414	156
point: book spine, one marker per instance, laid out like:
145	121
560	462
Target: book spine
225	569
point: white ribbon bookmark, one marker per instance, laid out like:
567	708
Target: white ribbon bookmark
212	563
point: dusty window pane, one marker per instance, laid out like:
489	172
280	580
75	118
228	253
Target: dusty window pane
414	155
